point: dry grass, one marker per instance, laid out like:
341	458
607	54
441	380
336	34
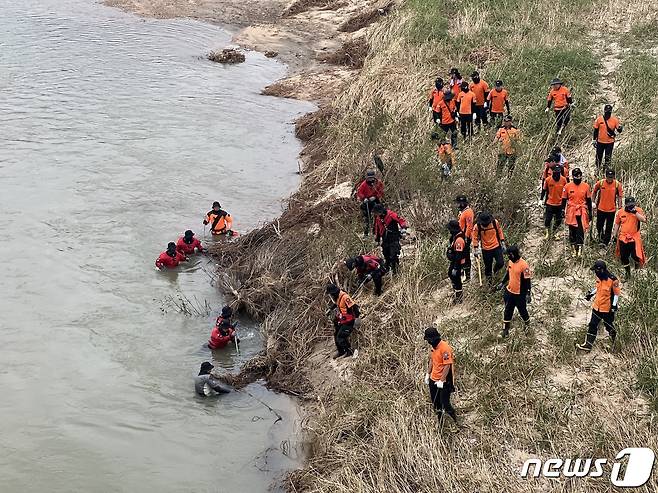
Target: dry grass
351	54
365	18
531	396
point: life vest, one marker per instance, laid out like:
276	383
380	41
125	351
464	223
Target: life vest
389	226
166	260
188	248
455	252
220	222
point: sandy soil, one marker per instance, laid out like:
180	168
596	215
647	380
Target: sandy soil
301	32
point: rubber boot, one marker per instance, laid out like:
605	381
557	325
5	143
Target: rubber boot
505	332
627	269
589	342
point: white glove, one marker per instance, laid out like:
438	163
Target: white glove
540	203
371	199
403	231
486	105
546	110
439	384
504	246
427	379
477	251
365	201
474	116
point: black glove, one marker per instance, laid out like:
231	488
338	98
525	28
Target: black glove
500	286
205	222
613	308
589	296
528	297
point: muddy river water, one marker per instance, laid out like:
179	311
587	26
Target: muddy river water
116	136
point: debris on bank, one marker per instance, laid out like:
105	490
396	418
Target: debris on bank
351	54
271	54
227	55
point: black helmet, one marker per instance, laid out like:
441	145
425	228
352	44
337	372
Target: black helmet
609	173
607	108
206	366
508	118
379	209
350	263
461	198
484	218
216	204
498	83
599	266
370	173
576	172
189	233
454	71
432	334
438	83
475	74
453	226
171	246
513	253
332	290
629	201
227	312
465	86
557	80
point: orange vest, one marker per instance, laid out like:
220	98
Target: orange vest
608	193
517	270
629	232
554	190
443	361
605	290
466	218
479	89
559	98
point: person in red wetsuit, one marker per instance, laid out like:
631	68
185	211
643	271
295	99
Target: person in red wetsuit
224	331
369	194
188	244
389	230
368	268
170	258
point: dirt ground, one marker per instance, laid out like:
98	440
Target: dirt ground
304	33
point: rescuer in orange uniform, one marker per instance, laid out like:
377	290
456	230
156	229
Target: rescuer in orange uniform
436	96
608	194
627	232
577	202
369	193
487	231
466	219
606	299
440	376
456	258
560	97
345	313
220	221
498	101
508	137
555	158
551	194
480	88
517	286
447	111
466	107
445	154
606	128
